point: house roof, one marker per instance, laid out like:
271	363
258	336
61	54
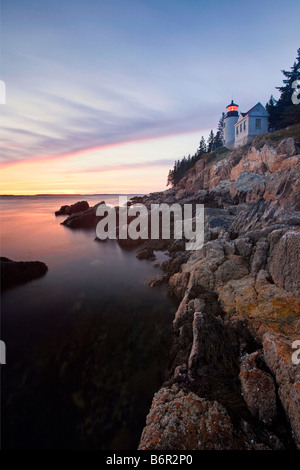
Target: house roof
243	115
251	109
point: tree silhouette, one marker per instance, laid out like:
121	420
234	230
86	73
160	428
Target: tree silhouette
283	112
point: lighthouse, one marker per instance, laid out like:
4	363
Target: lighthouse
232	115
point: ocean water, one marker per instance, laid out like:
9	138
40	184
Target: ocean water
87	344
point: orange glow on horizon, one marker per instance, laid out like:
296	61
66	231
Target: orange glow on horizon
60	177
45	178
135	167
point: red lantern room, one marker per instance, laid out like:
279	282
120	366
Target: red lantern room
232	109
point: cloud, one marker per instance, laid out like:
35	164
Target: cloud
68	126
125	166
83	135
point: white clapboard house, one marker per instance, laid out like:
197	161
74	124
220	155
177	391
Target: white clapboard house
239	129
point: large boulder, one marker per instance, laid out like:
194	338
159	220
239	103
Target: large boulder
261	302
284	262
283	188
248	186
180	421
278	356
287	147
234	267
84	219
258	389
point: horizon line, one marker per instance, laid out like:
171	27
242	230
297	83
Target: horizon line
73	194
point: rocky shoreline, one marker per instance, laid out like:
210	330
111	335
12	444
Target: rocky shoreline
231	382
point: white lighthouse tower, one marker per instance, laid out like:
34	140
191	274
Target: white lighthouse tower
232	115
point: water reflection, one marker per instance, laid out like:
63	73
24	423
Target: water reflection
87	344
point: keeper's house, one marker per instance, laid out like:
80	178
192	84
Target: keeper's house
239	129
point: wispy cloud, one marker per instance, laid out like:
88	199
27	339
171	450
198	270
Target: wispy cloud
126	166
79	127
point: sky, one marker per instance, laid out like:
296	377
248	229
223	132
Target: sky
103	96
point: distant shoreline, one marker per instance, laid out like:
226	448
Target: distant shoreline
6	196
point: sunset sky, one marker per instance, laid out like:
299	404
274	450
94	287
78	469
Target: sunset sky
103	96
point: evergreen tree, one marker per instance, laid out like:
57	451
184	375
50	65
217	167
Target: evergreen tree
283	112
210	141
202	147
286	90
273	112
218	140
185	164
221	127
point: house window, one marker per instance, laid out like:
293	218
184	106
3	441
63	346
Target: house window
244	125
241	128
257	123
237	131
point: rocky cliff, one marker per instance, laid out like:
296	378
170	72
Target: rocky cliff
231	381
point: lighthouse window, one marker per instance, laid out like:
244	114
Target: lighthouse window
257	123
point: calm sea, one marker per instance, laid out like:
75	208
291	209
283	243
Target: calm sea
87	344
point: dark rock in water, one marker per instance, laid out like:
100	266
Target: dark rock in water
73	208
129	243
14	273
84	219
145	253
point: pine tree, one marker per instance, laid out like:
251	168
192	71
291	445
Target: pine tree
291	116
287	90
218	140
202	147
221	127
273	112
186	163
284	106
210	141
